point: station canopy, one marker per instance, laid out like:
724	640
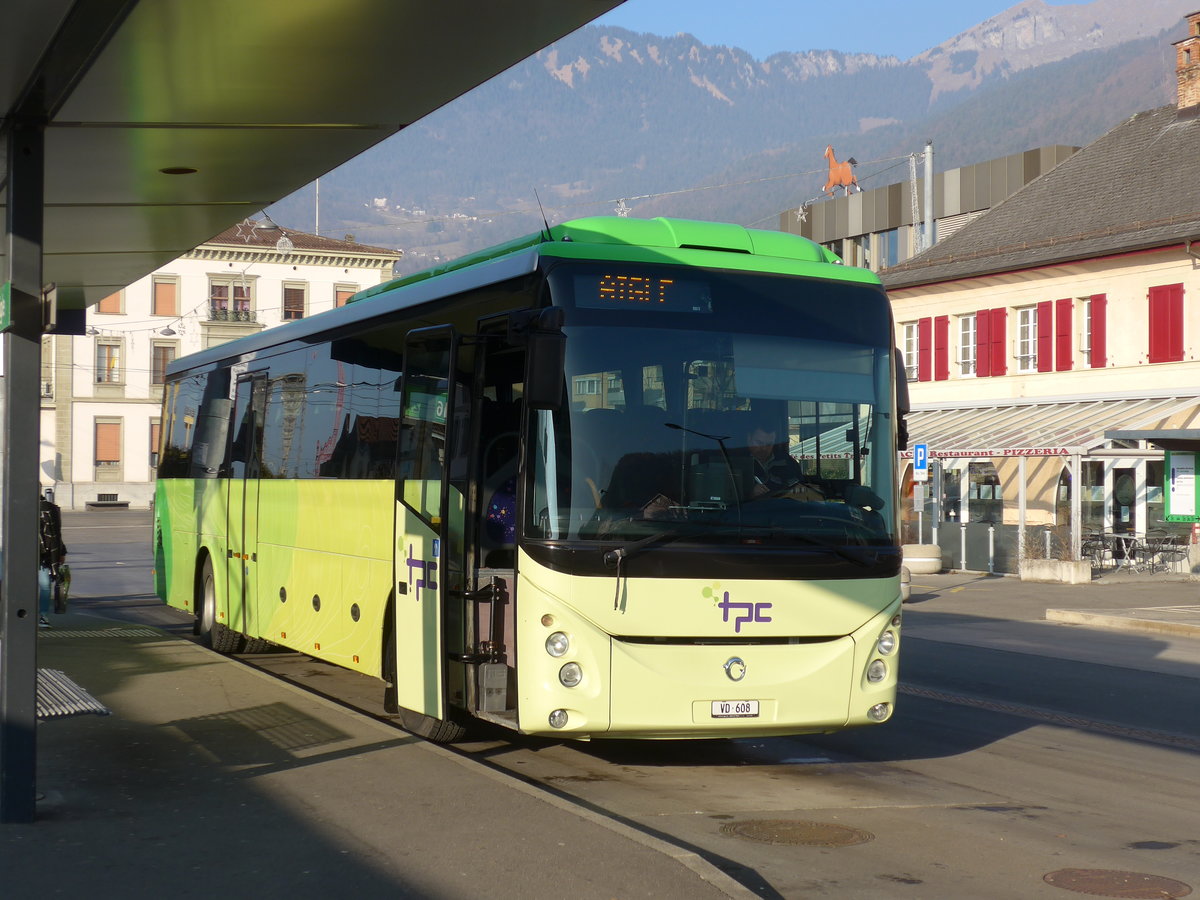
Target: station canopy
166	122
1058	428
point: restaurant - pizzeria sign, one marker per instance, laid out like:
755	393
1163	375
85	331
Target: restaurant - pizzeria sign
1007	451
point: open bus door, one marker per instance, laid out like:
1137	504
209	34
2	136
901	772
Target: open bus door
430	541
245	472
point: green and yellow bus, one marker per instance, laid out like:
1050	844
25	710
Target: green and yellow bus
623	478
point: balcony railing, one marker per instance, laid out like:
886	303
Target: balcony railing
221	314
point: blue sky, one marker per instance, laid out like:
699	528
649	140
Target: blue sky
763	27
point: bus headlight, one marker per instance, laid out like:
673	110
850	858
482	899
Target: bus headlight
876	671
557	644
879	712
558	718
886	643
570	674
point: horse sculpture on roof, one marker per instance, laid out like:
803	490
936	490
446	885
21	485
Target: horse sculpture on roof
841	174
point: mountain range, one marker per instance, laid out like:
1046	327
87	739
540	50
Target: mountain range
608	119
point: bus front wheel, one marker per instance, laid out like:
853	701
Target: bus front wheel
212	633
440	731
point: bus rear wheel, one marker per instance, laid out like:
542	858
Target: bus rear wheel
212	633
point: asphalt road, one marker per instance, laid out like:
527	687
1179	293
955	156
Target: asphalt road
1021	751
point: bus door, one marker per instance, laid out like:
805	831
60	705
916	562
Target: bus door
490	640
245	470
430	543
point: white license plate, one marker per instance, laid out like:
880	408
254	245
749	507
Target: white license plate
735	709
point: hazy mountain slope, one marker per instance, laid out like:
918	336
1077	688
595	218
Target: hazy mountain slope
1093	92
606	114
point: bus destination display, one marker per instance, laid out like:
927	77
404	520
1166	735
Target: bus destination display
622	290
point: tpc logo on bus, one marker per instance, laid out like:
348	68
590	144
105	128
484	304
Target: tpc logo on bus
743	611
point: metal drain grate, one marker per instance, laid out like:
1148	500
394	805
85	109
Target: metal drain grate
135	631
797	832
1113	883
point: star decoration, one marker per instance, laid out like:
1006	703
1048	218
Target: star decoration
246	229
622	210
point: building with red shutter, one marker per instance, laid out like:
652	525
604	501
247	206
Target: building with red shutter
1069	310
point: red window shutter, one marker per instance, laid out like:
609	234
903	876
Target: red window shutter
997	333
1045	336
1158	324
983	357
341	295
1064	318
1099	314
941	348
1175	328
924	347
110	304
1166	323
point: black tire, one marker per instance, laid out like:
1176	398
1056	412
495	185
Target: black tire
257	645
440	731
390	703
212	633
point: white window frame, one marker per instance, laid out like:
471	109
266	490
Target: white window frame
967	345
173	281
1085	329
912	350
154	346
1027	339
101	371
302	287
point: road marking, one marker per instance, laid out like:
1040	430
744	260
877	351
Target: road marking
1055	718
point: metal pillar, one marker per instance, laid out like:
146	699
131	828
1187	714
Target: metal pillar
1022	509
1076	506
929	217
19	524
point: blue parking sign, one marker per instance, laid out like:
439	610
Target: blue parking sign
920	462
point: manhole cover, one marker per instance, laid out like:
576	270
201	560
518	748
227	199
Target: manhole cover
791	831
1111	883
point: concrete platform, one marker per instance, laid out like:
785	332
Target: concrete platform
212	777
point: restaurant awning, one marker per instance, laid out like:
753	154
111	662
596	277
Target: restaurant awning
1044	428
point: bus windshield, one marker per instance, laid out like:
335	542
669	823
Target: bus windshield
717	407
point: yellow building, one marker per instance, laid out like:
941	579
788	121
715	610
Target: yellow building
1067	311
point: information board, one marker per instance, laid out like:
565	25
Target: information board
1181	487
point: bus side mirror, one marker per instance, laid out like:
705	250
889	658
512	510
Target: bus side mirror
903	406
547	355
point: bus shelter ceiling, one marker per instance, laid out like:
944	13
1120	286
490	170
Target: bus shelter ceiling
1059	428
245	102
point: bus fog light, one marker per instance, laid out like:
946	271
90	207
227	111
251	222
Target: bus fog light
558	718
557	644
570	674
879	712
886	643
876	671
